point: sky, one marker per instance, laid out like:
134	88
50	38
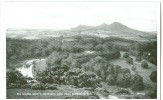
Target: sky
64	15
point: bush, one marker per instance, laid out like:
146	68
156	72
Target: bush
52	75
93	96
144	64
13	86
110	54
133	68
125	70
152	94
123	80
125	55
26	86
77	49
15	78
118	69
38	86
97	65
153	60
111	79
51	86
136	82
123	91
73	76
129	60
153	76
56	57
80	78
138	58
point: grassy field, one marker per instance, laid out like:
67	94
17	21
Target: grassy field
145	73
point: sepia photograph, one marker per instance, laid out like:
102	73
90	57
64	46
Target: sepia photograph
82	50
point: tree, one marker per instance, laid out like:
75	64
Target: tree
81	78
136	82
153	76
56	57
144	64
64	75
117	69
15	77
52	74
125	55
123	80
111	79
110	54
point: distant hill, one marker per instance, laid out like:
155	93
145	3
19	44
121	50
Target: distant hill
115	29
83	27
113	26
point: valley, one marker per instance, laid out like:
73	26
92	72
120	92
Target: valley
106	61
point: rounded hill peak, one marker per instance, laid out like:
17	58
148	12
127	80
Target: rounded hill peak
117	25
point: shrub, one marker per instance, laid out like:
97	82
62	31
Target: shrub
153	60
123	80
52	75
153	76
118	69
110	69
129	60
51	86
136	82
80	78
111	79
77	49
73	76
93	96
97	65
125	70
133	68
38	86
125	55
123	91
13	86
110	54
152	94
138	58
15	79
144	64
26	86
56	57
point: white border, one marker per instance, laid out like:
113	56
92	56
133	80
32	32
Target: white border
3	43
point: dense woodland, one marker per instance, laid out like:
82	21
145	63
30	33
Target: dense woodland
21	49
80	61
